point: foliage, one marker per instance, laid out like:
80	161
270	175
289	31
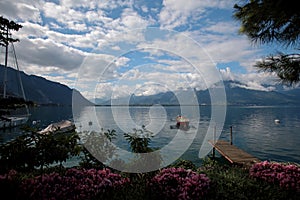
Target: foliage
17	154
287	67
287	176
145	157
5	27
225	182
10	185
139	140
179	183
230	182
32	150
74	184
270	21
185	164
98	149
181	180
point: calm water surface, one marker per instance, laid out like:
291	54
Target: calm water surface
254	129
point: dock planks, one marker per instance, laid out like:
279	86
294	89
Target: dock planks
233	154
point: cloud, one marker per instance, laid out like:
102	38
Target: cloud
48	53
177	12
228	28
253	81
132	46
20	10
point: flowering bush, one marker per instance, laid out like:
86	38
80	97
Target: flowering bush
179	183
9	176
286	175
9	183
74	184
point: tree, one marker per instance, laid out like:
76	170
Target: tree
270	21
5	27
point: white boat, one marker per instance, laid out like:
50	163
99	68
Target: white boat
63	126
12	121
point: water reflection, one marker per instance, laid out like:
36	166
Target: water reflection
256	132
254	129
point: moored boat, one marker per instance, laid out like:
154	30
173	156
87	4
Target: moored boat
12	121
182	123
63	126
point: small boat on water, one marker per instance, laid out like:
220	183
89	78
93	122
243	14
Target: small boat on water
12	121
63	126
182	123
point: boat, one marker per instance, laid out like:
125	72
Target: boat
12	121
64	126
7	119
182	123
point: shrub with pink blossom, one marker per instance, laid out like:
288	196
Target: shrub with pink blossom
74	184
9	176
9	183
287	176
179	183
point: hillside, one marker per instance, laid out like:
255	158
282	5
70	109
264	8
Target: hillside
235	96
38	89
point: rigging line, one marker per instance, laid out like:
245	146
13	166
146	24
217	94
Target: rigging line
19	76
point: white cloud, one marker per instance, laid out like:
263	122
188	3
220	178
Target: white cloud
253	81
91	41
177	12
224	27
48	53
20	10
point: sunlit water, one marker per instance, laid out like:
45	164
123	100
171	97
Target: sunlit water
254	129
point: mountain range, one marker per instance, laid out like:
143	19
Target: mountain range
37	89
236	94
42	91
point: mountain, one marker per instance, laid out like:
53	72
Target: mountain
236	94
239	95
38	89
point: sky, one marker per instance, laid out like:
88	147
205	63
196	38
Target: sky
109	49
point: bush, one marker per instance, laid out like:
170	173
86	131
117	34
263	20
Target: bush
185	164
74	184
178	183
233	182
287	176
9	185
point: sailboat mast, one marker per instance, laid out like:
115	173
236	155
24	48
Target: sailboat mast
19	76
5	64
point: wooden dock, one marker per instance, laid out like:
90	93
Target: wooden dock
233	154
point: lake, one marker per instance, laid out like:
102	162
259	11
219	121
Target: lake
254	129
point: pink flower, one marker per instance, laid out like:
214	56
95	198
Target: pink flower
287	176
178	183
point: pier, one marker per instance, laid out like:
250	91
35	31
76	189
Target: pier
232	153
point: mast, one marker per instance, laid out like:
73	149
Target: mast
19	76
5	64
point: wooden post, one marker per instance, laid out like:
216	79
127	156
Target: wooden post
231	135
215	134
214	141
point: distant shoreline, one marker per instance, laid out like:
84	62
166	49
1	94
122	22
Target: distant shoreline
206	105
